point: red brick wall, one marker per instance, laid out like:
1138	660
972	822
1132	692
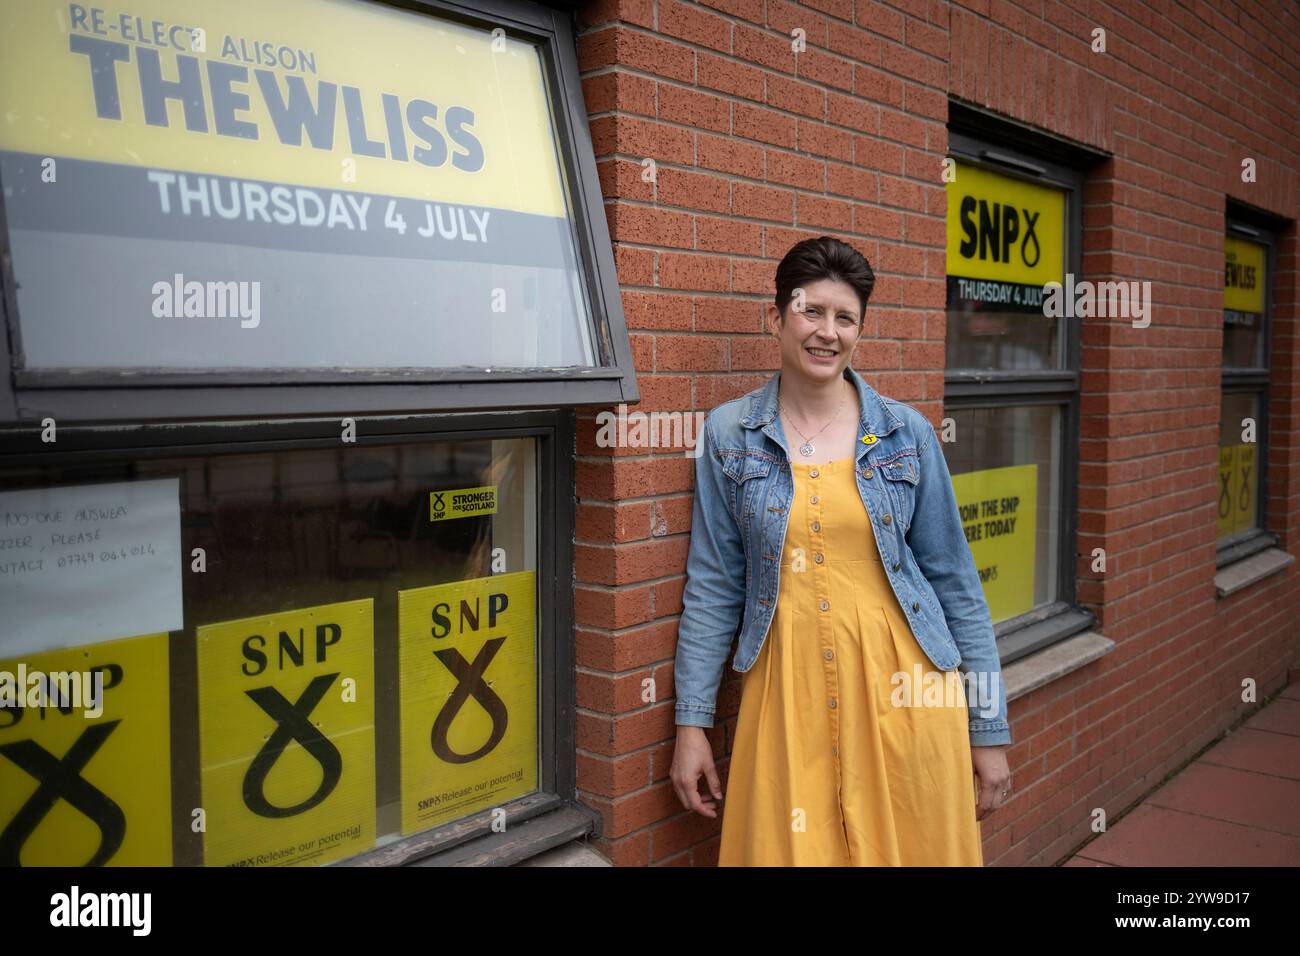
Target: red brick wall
754	149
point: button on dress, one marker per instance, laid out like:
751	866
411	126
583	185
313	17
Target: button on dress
825	769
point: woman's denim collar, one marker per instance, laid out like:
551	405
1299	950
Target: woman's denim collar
877	419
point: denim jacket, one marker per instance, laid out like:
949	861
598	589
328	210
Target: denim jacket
744	487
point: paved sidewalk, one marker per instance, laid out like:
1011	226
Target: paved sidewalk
1238	804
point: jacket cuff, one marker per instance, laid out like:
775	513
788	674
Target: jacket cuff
693	717
989	733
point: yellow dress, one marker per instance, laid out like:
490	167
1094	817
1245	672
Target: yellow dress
825	770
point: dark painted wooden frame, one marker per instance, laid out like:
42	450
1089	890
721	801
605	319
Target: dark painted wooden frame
29	395
1242	222
1013	149
551	815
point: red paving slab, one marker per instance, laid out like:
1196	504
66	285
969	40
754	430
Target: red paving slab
1236	805
1281	717
1238	796
1155	836
1259	750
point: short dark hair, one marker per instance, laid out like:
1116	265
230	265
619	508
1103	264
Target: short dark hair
823	258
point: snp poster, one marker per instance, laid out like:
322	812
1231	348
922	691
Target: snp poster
211	177
1006	240
468	696
1245	277
85	756
287	736
999	508
1238	479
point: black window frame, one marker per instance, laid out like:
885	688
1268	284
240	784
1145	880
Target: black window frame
154	394
552	811
1011	149
1242	222
145	415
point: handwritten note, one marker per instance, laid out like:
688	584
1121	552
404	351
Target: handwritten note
87	563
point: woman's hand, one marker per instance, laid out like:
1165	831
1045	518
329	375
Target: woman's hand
693	756
992	775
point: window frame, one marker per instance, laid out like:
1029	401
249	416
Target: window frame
153	394
552	810
1009	149
1241	223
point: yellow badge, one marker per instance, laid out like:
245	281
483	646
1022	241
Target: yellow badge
869	439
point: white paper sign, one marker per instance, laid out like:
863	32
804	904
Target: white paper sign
89	563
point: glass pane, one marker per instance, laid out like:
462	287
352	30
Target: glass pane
1006	467
1239	466
1245	278
1006	240
257	189
357	659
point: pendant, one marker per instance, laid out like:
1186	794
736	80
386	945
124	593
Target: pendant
806	449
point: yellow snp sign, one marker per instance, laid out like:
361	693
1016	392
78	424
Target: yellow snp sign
85	756
287	736
243	161
462	503
1238	480
323	93
468	665
999	508
1244	275
1006	239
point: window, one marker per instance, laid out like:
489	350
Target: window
310	650
1243	424
241	195
1012	380
308	521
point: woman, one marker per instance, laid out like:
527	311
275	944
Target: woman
837	557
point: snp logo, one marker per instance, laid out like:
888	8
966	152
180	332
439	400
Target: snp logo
991	229
102	909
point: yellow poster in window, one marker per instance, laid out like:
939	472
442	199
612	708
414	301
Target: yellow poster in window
1004	229
999	509
287	736
85	756
1235	505
468	665
1244	275
283	93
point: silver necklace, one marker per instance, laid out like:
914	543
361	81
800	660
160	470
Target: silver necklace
807	449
